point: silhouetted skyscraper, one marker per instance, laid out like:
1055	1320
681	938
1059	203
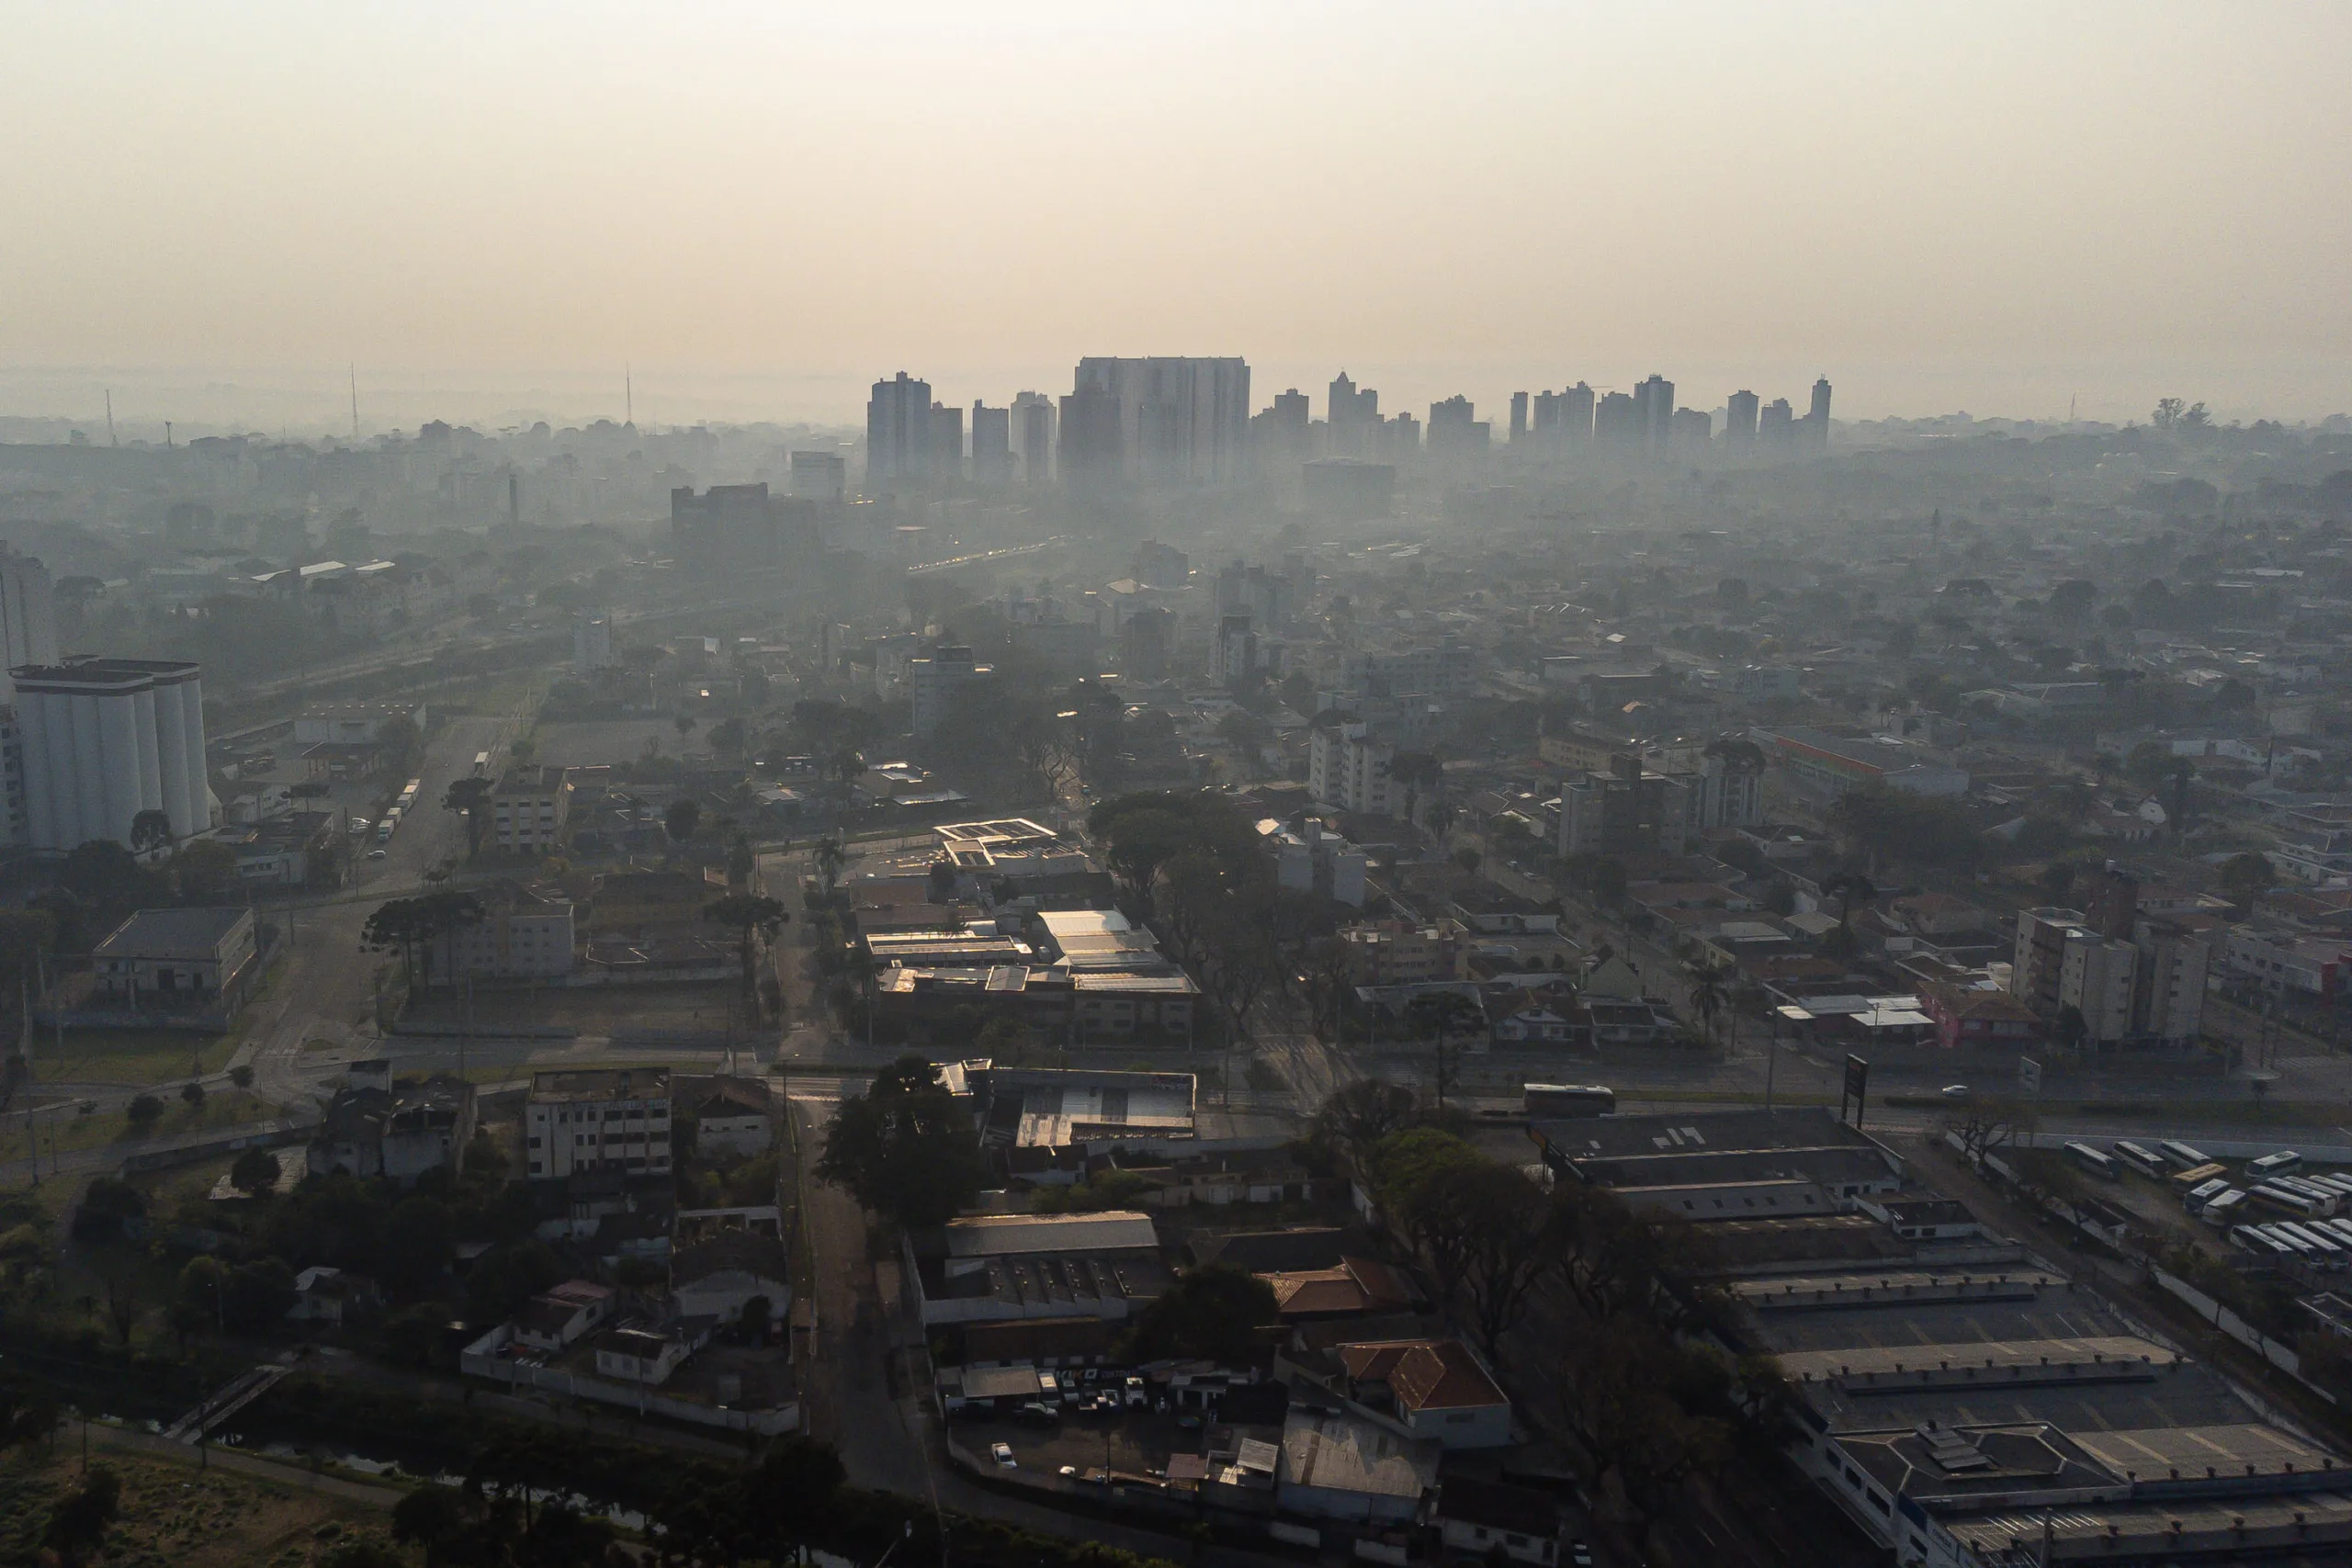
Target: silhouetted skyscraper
991	443
1617	422
947	441
1033	431
1518	419
1654	409
1352	418
1454	429
1180	420
898	431
1776	427
1739	420
1817	419
1575	415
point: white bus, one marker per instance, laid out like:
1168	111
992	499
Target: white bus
1570	1100
2181	1156
2142	1160
2097	1164
2328	1199
2253	1239
2278	1164
482	764
2270	1196
2222	1207
2330	1250
2196	1197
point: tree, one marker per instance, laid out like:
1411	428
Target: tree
1211	1314
413	926
1438	1015
1404	1171
1849	888
77	1525
2248	876
749	918
242	1075
204	871
472	797
149	831
143	1111
1507	1239
508	1275
27	1416
1358	1115
683	816
905	1149
2073	1028
433	1517
255	1173
193	1093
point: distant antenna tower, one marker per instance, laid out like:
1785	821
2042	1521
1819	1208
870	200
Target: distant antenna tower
354	401
168	432
628	393
110	440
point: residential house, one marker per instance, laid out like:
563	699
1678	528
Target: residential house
377	1127
200	960
1435	1389
563	1314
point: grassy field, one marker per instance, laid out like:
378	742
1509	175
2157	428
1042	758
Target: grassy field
125	1056
66	1132
183	1517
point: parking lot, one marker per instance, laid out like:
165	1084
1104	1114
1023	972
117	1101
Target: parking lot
1129	1441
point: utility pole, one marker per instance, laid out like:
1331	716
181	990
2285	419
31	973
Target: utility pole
111	439
355	403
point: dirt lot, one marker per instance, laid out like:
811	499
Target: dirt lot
590	741
185	1518
698	1007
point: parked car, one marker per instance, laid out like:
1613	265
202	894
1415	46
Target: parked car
1137	1396
1003	1454
1067	1473
1038	1410
1579	1554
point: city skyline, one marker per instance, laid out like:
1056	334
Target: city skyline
1983	211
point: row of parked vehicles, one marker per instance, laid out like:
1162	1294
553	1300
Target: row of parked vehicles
2274	1210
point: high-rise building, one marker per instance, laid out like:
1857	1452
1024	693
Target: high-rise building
592	642
1279	434
1398	437
1033	436
991	443
1353	419
1575	415
819	476
1519	419
898	432
1617	422
1654	410
27	614
1817	419
106	739
1739	420
1690	430
1776	426
947	441
1176	421
933	680
1456	431
737	528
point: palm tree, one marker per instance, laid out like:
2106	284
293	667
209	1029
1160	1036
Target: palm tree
1709	993
748	917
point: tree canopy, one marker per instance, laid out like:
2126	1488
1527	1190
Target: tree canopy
905	1149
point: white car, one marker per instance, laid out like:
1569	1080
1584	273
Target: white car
377	855
1003	1454
1954	1092
1069	1472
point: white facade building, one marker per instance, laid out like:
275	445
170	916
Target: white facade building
819	476
107	739
932	682
27	614
1347	771
598	1118
592	643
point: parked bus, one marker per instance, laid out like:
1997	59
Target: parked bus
2253	1239
2196	1197
2330	1250
2142	1160
2328	1199
1570	1100
2197	1176
2298	1249
2271	1196
2269	1166
2097	1164
2181	1156
482	764
2222	1207
2330	1180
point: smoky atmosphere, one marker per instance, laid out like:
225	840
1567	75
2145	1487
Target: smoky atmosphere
1208	786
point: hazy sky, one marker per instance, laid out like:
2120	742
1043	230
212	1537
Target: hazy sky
492	207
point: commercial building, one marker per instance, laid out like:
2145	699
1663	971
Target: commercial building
352	723
1721	1167
1830	765
1158	422
999	1267
178	961
106	739
934	681
529	807
1313	858
592	643
1740	422
737	528
1448	668
1352	419
598	1119
947	441
1817	419
991	443
820	476
1456	431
